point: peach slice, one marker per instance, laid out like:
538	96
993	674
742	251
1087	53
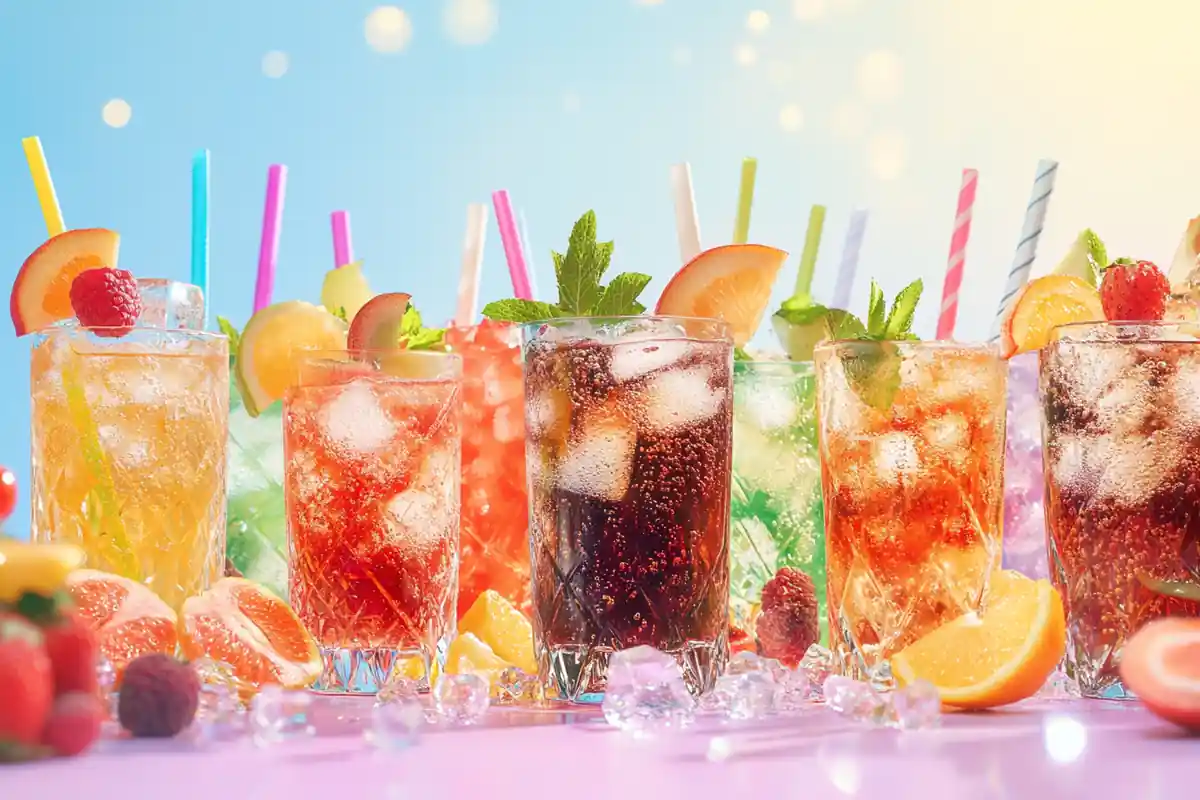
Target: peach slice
41	294
731	283
376	326
1161	664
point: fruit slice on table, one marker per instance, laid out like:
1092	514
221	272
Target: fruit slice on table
1044	304
468	654
129	619
41	294
272	345
732	283
1013	646
345	290
499	625
241	624
39	568
1161	664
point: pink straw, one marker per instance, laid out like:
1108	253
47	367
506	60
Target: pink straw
268	248
517	270
343	251
958	254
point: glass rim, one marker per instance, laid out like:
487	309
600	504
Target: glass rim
324	353
785	363
724	328
911	344
126	330
1058	332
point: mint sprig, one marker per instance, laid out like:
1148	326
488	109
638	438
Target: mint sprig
413	336
235	337
874	372
578	273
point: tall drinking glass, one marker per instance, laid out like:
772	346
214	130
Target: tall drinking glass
912	457
1024	484
777	517
629	423
128	432
1122	428
495	511
372	448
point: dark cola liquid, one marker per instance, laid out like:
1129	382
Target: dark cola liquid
1122	465
629	456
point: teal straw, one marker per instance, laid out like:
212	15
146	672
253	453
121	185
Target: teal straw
200	192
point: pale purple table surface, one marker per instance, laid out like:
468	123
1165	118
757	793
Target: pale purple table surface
1040	749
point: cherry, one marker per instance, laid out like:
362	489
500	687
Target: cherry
8	492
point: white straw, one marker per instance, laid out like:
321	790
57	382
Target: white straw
850	251
687	223
1031	230
472	264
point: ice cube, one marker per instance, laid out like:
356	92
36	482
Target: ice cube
746	695
600	462
856	700
681	397
501	385
768	406
947	433
818	666
516	686
1137	467
507	424
1058	686
355	421
895	458
280	715
1185	391
546	411
745	663
461	699
646	695
792	690
396	722
418	518
917	705
635	359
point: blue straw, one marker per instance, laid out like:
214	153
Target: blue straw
200	192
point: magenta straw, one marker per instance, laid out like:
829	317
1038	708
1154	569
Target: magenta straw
343	251
518	271
268	249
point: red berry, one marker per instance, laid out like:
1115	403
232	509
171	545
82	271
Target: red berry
26	682
107	299
1134	292
74	723
788	624
158	697
73	652
8	493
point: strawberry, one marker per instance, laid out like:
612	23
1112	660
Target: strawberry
1134	291
106	299
26	683
788	624
74	723
73	652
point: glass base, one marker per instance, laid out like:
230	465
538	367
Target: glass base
1110	691
579	673
366	671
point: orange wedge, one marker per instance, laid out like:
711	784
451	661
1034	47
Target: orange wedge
129	619
41	293
502	627
243	625
1044	304
994	658
732	283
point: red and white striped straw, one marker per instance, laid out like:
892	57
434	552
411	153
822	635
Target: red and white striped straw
958	254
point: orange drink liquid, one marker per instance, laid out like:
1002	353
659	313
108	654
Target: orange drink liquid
912	458
128	444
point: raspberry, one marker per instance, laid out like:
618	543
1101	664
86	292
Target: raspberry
788	624
158	696
1134	292
106	299
74	723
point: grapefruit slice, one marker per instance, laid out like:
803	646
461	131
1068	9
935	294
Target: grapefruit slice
377	324
731	283
243	625
38	568
1044	304
129	620
272	346
1161	664
41	294
1013	646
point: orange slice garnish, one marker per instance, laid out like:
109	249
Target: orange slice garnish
1044	304
41	294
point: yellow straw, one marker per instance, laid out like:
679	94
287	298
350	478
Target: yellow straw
741	228
47	199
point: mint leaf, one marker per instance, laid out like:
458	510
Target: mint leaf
557	258
235	338
579	275
841	324
741	355
900	318
619	298
340	313
797	301
876	312
873	372
424	339
410	323
514	310
802	315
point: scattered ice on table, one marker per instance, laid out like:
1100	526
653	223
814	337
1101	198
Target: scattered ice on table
396	721
748	695
746	662
106	681
1058	687
679	398
817	665
600	463
219	712
880	677
516	685
917	705
461	699
636	359
646	694
279	715
792	692
354	421
912	707
398	686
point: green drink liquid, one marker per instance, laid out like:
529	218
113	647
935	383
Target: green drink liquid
777	515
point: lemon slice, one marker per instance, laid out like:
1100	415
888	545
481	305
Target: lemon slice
40	568
272	345
346	290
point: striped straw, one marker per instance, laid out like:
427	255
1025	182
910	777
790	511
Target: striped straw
849	265
1035	219
958	254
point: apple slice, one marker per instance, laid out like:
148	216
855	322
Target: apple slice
731	283
41	294
377	324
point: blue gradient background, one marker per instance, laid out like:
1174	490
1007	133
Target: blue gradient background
573	105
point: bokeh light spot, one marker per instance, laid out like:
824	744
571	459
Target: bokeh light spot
388	29
879	76
470	22
116	113
758	21
887	154
745	55
808	10
791	118
275	64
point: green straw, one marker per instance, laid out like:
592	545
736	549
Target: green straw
808	259
741	227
